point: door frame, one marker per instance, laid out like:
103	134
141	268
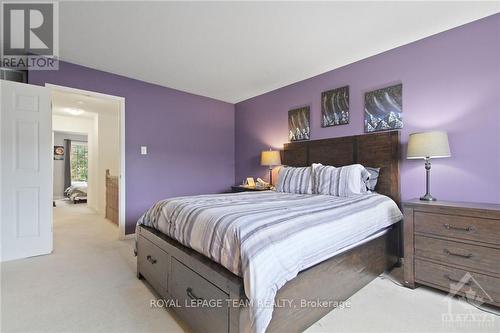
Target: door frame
121	191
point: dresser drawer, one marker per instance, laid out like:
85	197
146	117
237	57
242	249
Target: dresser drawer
484	286
152	263
454	253
460	227
202	305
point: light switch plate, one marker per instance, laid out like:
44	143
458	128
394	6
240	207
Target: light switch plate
144	150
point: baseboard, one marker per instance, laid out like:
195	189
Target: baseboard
128	236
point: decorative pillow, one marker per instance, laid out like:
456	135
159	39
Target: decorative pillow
372	182
343	181
295	180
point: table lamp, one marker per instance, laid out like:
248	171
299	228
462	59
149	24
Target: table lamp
270	158
427	145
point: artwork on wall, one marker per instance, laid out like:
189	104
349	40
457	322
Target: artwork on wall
298	124
383	109
58	153
335	107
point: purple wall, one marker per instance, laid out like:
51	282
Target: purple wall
190	138
451	81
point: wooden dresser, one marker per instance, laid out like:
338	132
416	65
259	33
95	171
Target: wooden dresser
443	241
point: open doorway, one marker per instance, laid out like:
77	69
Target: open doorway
88	161
71	167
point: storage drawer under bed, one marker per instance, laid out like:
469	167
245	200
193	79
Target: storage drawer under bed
153	265
202	305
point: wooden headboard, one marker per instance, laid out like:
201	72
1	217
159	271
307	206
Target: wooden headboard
378	150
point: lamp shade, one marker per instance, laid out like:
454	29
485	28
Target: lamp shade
428	145
270	158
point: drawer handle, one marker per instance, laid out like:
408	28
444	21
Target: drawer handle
456	281
452	227
448	252
151	260
189	292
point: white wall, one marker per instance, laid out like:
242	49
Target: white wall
109	151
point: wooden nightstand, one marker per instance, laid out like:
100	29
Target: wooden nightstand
453	244
241	188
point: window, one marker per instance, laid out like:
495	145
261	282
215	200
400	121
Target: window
79	161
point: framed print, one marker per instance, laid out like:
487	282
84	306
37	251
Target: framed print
383	109
298	124
58	153
335	107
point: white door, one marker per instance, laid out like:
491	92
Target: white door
26	170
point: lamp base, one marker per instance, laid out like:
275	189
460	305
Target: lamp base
428	197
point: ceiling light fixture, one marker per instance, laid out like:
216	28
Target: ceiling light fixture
73	112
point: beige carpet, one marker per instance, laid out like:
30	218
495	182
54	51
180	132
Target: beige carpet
89	285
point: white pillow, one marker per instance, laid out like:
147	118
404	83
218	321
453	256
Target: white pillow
344	181
295	180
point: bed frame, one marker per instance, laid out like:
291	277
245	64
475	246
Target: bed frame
185	278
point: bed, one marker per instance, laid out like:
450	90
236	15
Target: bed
77	192
217	256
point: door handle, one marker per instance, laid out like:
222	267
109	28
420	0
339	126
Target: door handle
452	227
448	252
190	294
456	281
151	259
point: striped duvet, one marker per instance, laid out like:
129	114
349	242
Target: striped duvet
268	237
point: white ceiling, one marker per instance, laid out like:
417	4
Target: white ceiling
90	105
232	51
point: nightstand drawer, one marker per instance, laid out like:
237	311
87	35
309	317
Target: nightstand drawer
476	257
484	286
460	227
